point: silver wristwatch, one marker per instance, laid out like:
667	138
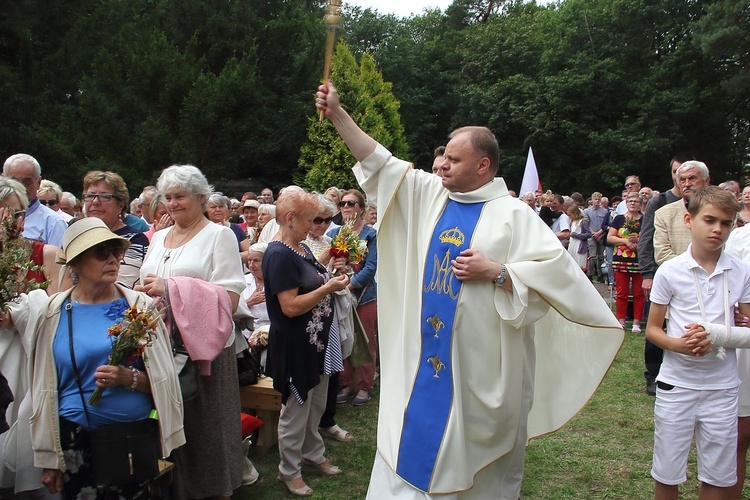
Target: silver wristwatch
500	280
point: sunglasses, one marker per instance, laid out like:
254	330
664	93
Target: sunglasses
102	251
348	204
48	203
19	214
321	220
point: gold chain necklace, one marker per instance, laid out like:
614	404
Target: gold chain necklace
168	253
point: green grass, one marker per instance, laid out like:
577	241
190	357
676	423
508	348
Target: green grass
604	452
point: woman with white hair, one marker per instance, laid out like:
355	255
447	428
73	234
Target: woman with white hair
210	464
267	225
218	212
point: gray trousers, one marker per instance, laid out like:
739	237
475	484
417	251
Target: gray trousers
298	431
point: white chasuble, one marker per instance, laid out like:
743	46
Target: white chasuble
552	337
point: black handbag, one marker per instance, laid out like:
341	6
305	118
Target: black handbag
122	453
248	367
188	371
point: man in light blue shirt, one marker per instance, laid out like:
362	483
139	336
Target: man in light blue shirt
42	223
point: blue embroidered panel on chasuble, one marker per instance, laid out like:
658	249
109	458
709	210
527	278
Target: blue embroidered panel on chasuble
429	406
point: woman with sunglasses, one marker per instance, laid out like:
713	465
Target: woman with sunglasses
320	244
364	288
71	345
316	239
105	196
14	357
49	194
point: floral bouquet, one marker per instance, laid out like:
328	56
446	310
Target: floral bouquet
130	338
347	244
629	227
15	263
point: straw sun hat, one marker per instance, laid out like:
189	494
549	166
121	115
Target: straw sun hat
84	234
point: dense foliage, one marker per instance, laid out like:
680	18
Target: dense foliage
599	88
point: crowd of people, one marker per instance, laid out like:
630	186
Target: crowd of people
258	272
227	275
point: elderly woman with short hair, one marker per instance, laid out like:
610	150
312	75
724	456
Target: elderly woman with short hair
304	349
210	464
158	212
105	196
267	225
217	210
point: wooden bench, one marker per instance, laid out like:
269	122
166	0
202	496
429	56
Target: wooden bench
266	402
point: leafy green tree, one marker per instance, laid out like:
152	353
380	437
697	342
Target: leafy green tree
325	160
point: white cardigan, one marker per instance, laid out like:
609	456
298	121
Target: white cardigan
37	317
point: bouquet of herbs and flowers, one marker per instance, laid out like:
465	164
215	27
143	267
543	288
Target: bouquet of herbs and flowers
630	226
347	244
130	337
15	263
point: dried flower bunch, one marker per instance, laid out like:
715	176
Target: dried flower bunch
15	263
130	337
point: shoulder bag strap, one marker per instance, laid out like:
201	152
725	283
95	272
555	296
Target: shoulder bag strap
68	308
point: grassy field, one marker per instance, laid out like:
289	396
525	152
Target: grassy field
603	453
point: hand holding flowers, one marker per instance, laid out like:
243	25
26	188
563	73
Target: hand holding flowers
130	338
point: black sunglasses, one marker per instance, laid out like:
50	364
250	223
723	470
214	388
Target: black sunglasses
320	220
102	251
348	204
48	203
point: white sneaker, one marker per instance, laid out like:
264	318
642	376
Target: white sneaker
636	329
250	474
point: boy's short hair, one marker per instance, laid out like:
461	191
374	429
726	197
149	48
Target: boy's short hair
712	195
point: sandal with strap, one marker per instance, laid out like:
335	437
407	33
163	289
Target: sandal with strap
336	432
331	470
302	491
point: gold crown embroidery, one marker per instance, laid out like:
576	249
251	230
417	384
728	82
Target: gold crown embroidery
453	236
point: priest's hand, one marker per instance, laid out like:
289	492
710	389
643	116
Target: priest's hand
327	99
472	265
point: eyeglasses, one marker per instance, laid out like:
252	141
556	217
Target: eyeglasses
631	184
19	214
103	197
321	220
350	203
102	251
48	203
636	200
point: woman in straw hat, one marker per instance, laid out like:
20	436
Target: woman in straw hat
76	322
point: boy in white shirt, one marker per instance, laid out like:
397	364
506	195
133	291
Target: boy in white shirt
697	389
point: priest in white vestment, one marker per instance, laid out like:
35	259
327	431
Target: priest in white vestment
490	334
